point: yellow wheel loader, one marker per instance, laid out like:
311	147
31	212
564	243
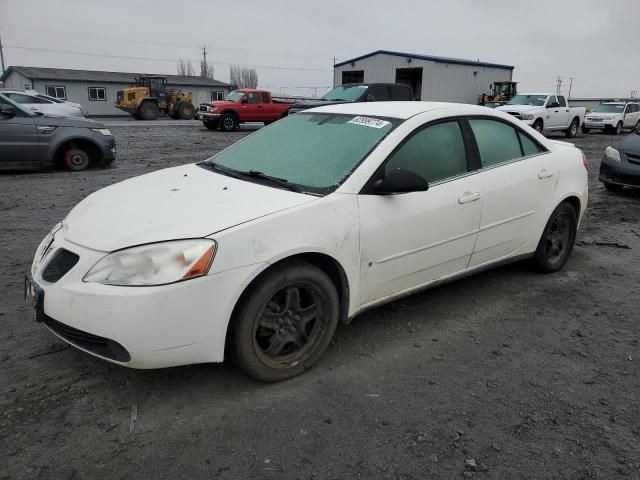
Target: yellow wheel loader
151	98
501	93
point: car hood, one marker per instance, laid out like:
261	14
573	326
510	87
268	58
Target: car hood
175	203
629	144
50	119
518	108
223	103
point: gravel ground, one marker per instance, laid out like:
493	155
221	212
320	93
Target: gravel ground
507	375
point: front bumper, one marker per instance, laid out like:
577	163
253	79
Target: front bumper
210	117
620	173
139	327
596	125
107	149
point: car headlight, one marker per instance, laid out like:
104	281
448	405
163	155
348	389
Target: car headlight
155	263
103	131
212	109
612	154
526	116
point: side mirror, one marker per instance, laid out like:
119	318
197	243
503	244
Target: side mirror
400	181
7	110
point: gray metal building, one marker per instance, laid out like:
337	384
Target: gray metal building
432	78
96	90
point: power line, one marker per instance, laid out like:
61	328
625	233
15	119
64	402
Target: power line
156	59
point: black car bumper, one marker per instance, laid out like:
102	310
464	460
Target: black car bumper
620	173
107	150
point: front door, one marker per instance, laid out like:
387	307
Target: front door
19	144
552	118
519	180
632	115
409	240
251	108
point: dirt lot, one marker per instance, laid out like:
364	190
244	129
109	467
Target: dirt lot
530	376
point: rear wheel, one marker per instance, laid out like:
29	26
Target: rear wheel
538	126
76	159
285	323
572	131
557	240
228	122
185	110
148	111
584	129
613	187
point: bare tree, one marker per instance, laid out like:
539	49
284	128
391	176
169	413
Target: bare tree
185	68
243	76
206	69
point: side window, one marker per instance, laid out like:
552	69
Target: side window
435	153
253	97
497	141
400	93
265	97
562	101
378	93
529	147
20	98
552	99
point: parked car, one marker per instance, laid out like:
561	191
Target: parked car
620	166
32	140
546	112
359	92
240	106
613	117
39	102
262	249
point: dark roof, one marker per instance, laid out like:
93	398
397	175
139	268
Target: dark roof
60	74
430	58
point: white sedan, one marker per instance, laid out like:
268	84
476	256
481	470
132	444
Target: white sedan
261	250
39	102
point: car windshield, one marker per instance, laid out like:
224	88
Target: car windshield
348	93
534	100
315	151
234	96
6	100
47	97
609	108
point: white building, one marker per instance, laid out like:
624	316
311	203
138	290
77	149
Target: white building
432	78
96	90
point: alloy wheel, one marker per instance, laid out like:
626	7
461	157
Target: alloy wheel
558	238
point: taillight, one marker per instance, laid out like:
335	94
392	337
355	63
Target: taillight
585	161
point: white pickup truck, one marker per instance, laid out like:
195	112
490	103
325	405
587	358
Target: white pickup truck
546	111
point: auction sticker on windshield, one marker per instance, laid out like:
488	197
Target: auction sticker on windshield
369	122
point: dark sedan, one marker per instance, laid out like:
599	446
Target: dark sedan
31	140
620	166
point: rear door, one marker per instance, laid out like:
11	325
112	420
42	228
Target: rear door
519	180
268	109
19	144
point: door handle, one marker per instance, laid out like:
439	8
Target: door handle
468	197
544	173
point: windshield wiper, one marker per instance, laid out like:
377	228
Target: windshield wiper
219	168
282	182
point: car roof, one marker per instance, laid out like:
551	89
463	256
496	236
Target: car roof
32	93
401	110
616	103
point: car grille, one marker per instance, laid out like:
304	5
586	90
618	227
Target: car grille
99	345
635	159
61	262
203	108
594	119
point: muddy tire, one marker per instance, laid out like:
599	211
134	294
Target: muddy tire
148	111
285	323
558	238
185	110
618	129
538	126
572	131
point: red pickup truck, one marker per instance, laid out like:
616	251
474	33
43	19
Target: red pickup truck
244	105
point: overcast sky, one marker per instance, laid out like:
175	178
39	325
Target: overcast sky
292	44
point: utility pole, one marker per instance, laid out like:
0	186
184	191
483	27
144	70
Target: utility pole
633	93
559	84
1	54
334	72
204	69
570	85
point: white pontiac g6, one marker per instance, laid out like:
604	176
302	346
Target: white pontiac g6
261	250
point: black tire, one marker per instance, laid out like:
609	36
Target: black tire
148	111
269	337
618	129
572	131
185	110
613	187
211	125
538	126
585	130
228	122
268	123
557	240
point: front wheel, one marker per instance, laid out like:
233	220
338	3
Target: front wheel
185	111
572	131
76	159
618	129
285	323
557	240
228	122
537	126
